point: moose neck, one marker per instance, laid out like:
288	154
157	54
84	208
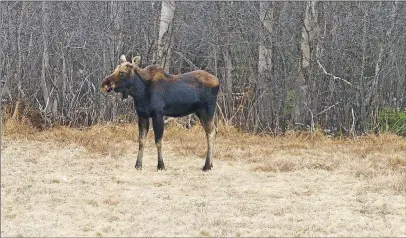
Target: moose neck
138	89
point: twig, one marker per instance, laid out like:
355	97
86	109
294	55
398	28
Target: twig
187	60
325	110
334	77
222	114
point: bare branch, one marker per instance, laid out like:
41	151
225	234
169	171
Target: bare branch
187	60
329	74
325	110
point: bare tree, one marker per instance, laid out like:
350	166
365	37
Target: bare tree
282	65
264	63
46	109
165	34
306	80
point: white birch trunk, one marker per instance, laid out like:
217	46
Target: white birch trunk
309	34
264	63
45	59
165	34
265	47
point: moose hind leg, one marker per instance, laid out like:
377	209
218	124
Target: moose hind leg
158	126
210	129
143	127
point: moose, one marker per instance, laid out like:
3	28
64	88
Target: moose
157	93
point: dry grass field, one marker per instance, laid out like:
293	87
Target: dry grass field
69	182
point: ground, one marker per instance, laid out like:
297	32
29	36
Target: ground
59	183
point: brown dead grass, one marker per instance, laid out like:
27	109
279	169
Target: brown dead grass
102	138
369	156
81	182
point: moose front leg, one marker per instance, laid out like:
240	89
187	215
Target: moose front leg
143	127
158	125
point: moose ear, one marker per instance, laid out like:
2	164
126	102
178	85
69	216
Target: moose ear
123	59
136	60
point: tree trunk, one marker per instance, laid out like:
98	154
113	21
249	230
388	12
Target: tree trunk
228	78
305	76
375	84
4	59
62	83
117	17
265	47
21	94
264	101
165	34
45	60
362	78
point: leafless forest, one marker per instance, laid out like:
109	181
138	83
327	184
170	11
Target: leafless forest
335	66
297	69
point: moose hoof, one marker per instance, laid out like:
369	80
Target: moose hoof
207	167
138	167
161	167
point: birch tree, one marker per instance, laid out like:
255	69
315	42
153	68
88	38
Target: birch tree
46	109
334	65
264	63
165	34
305	76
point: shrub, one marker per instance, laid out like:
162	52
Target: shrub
392	120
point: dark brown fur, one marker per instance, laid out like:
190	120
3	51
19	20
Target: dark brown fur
157	94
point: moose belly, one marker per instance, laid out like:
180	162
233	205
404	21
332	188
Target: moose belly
180	109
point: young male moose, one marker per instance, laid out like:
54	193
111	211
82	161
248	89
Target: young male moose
157	94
